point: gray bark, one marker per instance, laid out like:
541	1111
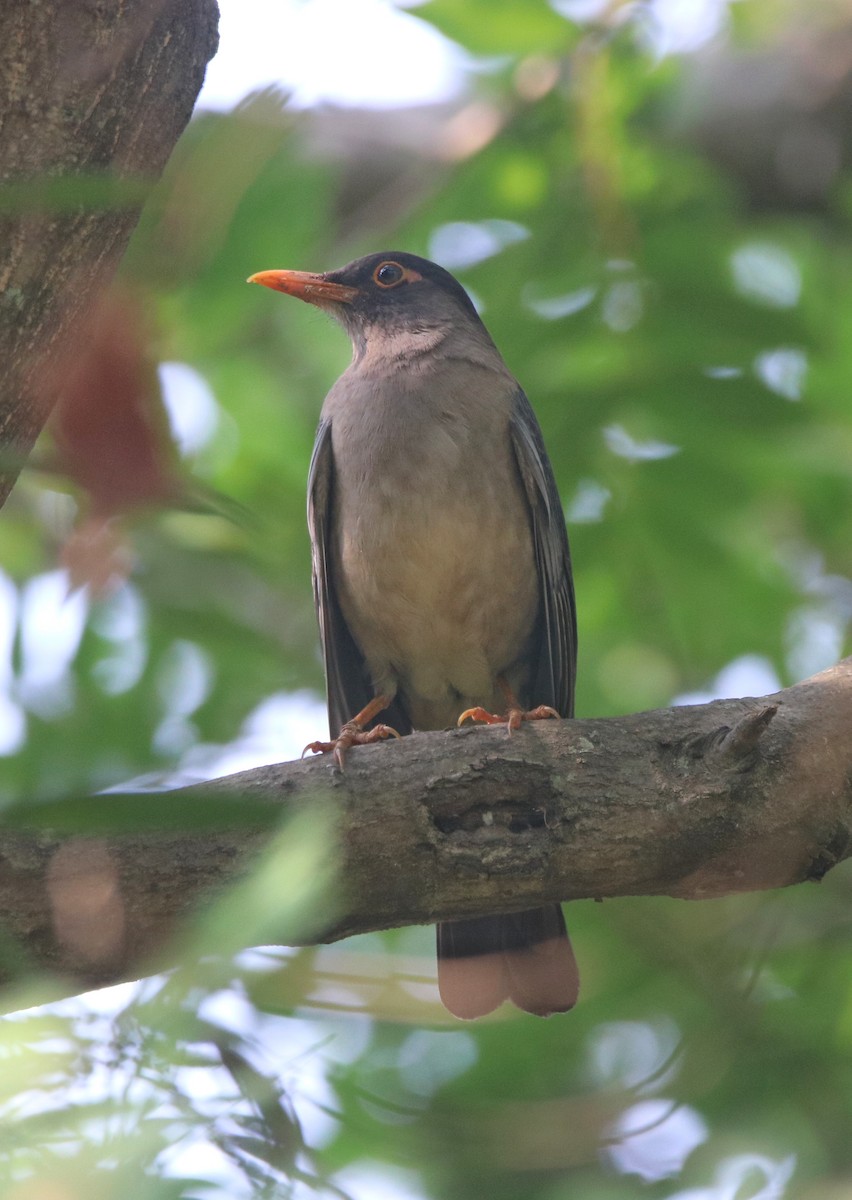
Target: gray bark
689	802
95	95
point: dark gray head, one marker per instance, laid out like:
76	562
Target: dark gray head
385	293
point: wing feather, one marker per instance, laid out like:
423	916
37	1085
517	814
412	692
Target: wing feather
555	639
347	677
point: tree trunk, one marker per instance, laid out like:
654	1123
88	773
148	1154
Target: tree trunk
95	95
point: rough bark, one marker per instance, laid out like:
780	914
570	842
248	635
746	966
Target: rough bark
95	95
689	802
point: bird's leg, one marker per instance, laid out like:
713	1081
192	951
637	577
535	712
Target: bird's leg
513	716
352	733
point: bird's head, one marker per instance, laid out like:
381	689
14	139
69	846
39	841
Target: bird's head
382	295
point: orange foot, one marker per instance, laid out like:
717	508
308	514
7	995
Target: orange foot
512	718
353	733
350	735
514	714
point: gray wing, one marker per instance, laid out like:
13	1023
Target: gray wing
554	654
347	679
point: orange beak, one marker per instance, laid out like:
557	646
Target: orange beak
304	285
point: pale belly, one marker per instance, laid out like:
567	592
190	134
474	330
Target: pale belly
440	596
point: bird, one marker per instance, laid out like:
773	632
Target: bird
441	568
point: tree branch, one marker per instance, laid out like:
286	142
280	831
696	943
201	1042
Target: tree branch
95	97
691	802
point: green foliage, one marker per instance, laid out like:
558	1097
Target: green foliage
513	27
689	356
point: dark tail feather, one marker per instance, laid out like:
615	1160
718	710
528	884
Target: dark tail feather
524	957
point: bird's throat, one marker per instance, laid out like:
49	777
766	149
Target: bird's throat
386	350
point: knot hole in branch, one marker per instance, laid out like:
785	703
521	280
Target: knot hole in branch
513	818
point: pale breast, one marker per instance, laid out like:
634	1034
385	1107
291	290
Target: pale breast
433	546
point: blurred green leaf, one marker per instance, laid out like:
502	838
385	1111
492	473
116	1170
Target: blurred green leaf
137	812
501	27
73	192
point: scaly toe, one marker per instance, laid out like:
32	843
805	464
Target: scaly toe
511	719
542	713
350	735
317	748
480	714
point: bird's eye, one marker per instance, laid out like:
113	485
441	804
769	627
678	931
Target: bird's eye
388	274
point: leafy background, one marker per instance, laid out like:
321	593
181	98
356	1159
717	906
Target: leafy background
678	307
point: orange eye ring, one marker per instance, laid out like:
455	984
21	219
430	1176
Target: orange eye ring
389	274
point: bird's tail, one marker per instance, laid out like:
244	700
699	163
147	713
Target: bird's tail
524	957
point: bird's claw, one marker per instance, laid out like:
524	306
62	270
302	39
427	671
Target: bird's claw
479	714
512	719
351	734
